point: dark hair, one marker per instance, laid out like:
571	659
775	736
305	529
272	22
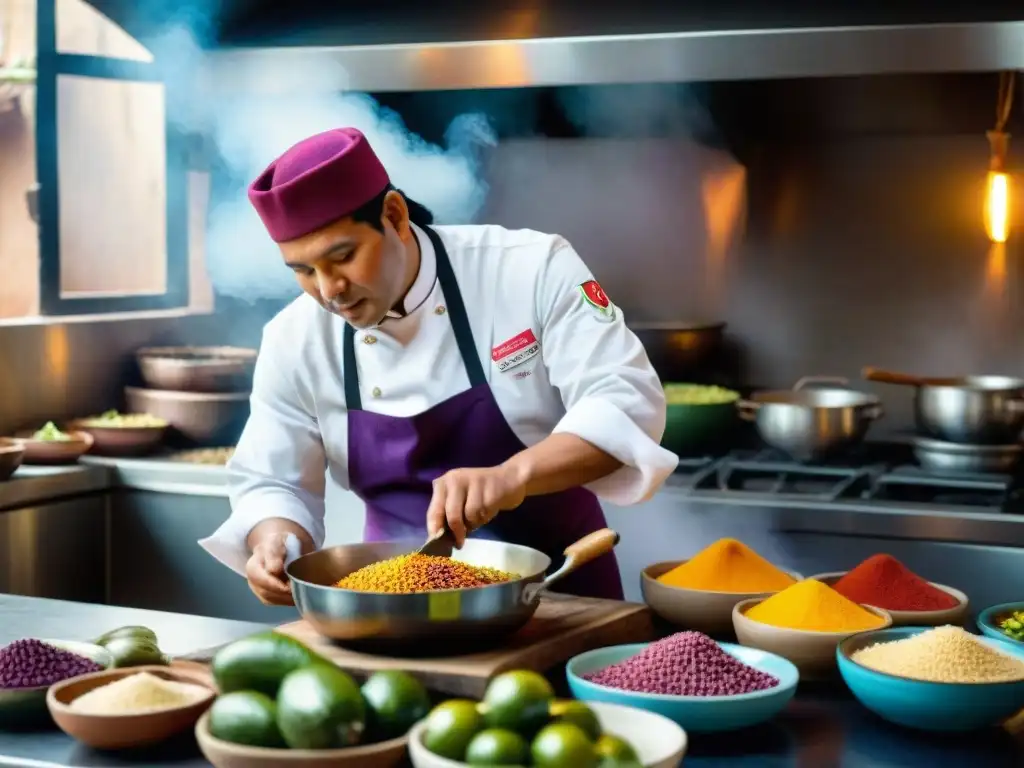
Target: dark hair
371	212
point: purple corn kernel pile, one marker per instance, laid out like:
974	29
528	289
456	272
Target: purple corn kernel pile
684	664
33	663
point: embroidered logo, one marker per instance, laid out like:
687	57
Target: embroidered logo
595	297
515	351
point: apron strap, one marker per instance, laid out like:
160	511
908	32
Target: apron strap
460	327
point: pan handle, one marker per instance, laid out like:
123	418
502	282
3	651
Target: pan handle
808	381
580	552
889	377
747	409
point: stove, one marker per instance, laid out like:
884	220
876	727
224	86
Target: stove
877	473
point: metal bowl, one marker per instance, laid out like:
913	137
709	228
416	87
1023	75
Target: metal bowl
676	350
197	369
956	458
11	454
208	419
980	410
812	423
425	622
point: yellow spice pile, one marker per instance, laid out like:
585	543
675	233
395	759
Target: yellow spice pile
942	655
408	574
141	692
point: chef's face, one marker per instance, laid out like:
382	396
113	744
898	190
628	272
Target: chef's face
354	269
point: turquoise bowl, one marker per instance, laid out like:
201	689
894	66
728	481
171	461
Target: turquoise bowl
988	621
925	705
701	714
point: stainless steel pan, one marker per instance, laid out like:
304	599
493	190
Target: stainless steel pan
812	422
971	410
450	619
954	458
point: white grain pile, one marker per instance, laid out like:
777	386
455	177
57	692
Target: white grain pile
942	655
141	692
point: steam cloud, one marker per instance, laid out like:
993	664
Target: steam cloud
251	128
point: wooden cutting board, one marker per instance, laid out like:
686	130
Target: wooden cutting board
562	627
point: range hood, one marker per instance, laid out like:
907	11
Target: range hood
445	45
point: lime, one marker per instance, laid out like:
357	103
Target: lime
450	727
395	701
579	714
496	746
563	745
616	749
320	707
518	701
260	662
245	717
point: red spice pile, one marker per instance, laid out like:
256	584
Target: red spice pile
884	582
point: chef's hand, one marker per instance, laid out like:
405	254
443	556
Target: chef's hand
470	498
265	570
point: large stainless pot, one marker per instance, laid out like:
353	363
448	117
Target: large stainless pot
812	422
425	622
973	410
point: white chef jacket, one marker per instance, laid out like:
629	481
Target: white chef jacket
590	377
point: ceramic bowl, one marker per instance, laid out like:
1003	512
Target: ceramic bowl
658	741
694	713
124	731
27	704
11	455
813	653
694	427
956	615
55	451
224	754
707	612
926	705
121	441
988	621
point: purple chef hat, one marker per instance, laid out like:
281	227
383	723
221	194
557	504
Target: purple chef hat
319	180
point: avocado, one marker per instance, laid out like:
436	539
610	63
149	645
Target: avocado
245	717
260	662
320	707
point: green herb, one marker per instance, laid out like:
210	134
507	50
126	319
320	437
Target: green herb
1013	625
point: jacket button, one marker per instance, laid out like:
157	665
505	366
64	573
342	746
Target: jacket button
368	339
439	309
376	392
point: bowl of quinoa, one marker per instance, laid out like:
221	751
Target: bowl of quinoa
699	683
28	667
935	679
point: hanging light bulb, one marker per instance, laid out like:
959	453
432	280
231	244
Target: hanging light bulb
997	189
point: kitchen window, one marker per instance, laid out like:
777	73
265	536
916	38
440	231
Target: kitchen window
113	185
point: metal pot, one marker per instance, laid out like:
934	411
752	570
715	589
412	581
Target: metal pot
943	457
971	410
812	423
454	619
204	419
197	369
677	349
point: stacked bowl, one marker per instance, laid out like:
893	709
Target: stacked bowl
201	392
965	425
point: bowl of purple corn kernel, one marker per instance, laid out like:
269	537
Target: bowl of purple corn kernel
28	668
700	683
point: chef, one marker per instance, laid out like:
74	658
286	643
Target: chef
469	375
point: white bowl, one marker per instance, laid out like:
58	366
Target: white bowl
659	743
956	615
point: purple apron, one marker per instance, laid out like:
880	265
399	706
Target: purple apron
393	461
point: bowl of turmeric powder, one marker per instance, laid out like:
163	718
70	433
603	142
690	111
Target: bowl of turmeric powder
700	592
805	623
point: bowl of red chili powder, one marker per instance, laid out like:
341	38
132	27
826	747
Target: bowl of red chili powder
29	667
884	582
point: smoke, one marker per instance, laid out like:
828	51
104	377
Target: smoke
280	106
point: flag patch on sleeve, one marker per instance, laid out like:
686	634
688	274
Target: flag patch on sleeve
595	297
